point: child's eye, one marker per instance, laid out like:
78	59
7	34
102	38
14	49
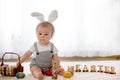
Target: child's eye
46	34
40	33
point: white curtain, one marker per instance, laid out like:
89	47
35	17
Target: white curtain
83	27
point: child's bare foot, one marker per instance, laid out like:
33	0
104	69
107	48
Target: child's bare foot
37	72
38	75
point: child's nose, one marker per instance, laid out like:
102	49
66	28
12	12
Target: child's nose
42	36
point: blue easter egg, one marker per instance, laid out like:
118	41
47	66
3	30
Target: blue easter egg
20	75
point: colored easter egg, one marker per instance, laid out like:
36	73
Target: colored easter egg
20	75
67	74
48	73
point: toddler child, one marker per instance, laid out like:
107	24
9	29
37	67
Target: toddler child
44	52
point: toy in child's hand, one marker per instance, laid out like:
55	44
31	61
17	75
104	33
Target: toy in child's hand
20	75
48	73
54	71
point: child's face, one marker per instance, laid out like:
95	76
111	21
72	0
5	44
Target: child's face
44	34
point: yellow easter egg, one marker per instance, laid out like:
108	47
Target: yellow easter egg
67	74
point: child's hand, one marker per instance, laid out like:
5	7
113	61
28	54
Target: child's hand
60	70
18	63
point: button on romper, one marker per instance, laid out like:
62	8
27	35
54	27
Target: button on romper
43	59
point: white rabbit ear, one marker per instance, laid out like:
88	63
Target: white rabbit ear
53	16
39	16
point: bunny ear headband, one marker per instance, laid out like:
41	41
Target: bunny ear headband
52	16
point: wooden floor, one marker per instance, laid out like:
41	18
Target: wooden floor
113	57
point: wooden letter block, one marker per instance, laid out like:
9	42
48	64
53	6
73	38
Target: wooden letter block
100	68
112	70
93	68
78	68
85	69
106	69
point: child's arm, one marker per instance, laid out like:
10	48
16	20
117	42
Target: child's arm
59	69
25	56
57	60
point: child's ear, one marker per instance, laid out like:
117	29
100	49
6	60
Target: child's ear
53	16
39	16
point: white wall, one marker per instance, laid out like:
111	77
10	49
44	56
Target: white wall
83	27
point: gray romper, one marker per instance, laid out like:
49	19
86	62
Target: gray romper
43	59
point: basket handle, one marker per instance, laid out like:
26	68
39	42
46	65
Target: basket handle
9	53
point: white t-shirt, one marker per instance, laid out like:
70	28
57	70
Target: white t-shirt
43	48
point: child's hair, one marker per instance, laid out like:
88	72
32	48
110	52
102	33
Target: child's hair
52	17
44	24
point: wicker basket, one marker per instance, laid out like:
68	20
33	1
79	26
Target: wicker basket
7	70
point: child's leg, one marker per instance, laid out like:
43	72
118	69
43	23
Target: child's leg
37	72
